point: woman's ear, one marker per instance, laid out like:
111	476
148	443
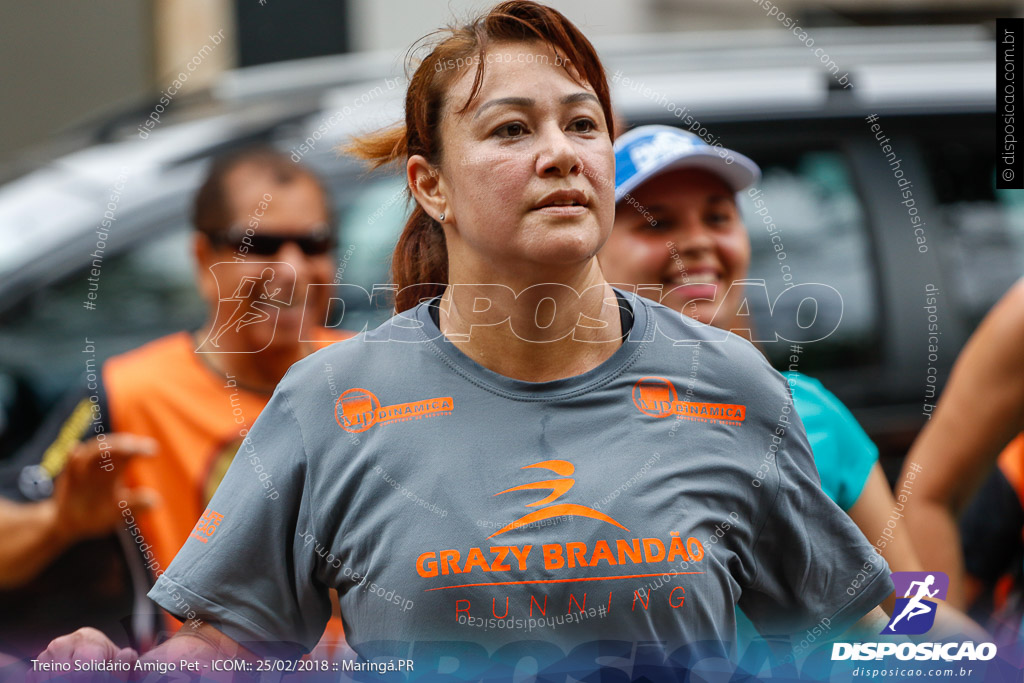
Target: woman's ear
425	183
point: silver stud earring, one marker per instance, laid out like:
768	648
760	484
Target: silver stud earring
442	217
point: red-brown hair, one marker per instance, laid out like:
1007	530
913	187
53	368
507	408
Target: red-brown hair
421	255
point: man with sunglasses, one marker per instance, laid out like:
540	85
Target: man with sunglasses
103	497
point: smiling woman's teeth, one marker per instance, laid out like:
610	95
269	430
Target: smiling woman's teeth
696	279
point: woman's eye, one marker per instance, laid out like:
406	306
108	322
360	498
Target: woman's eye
583	126
511	130
653	226
657	228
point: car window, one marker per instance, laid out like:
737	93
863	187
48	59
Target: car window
370	221
981	247
810	229
143	292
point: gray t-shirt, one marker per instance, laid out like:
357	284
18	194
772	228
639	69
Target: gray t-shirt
640	501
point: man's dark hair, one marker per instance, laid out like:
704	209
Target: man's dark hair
212	208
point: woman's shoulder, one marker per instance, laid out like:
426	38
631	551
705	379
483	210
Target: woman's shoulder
691	349
672	329
398	340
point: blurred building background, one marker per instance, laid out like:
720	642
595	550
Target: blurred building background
69	63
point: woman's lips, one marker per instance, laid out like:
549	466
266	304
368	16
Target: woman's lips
566	202
562	210
704	285
692	292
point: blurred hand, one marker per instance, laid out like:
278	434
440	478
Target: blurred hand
85	644
87	493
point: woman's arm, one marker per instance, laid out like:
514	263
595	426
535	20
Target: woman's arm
83	505
869	625
31	540
871	513
981	410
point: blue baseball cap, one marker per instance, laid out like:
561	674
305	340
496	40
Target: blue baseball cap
644	152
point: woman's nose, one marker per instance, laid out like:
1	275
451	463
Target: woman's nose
692	236
559	156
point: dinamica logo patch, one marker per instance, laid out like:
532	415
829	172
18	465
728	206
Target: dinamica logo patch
207	525
657	397
356	410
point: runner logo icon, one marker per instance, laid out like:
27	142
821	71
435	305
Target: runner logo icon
914	613
252	301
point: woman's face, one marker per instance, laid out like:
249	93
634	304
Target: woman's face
697	249
527	171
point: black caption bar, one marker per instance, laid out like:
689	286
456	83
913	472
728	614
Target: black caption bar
1009	62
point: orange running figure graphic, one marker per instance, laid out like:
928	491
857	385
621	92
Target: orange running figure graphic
558	487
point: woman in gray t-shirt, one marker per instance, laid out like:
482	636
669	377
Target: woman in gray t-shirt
522	453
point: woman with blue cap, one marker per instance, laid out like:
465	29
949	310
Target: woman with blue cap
679	236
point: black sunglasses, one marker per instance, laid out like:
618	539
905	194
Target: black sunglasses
320	240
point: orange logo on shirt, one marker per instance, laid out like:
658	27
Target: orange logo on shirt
655	396
558	488
206	525
356	410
